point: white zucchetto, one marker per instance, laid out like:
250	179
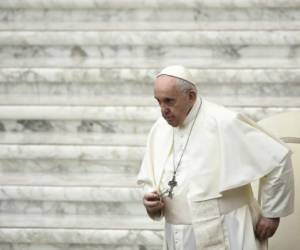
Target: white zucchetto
178	71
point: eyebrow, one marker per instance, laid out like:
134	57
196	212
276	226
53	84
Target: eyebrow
165	98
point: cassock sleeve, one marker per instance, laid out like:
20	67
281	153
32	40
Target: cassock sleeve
145	176
276	190
248	152
157	150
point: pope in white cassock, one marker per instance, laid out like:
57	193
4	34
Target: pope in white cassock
196	173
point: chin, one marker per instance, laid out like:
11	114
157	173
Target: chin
172	123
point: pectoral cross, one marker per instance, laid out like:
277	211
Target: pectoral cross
172	183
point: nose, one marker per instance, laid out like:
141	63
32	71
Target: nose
164	109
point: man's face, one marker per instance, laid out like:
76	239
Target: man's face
174	102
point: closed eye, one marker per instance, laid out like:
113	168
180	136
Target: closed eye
167	101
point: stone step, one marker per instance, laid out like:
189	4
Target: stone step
72	180
139	82
80	236
69	166
34	246
136	4
146	38
46	200
78	222
40	118
150	25
200	63
79	113
146	100
72	208
235	84
282	87
133	77
75	126
92	100
86	139
88	194
82	53
73	152
198	14
132	127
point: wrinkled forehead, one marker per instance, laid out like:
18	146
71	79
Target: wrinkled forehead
165	82
166	87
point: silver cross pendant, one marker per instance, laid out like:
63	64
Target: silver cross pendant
172	183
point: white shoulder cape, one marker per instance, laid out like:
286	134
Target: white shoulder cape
246	152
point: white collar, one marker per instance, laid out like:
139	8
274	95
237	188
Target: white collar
191	115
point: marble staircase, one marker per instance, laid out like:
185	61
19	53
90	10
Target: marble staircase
76	104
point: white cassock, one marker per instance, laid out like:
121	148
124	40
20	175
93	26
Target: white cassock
213	206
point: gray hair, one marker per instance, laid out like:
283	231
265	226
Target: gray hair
185	85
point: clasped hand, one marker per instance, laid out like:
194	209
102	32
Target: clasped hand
153	204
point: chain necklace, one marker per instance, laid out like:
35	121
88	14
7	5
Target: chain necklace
172	183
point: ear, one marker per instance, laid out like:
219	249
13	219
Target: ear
192	95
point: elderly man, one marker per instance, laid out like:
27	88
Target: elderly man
199	162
